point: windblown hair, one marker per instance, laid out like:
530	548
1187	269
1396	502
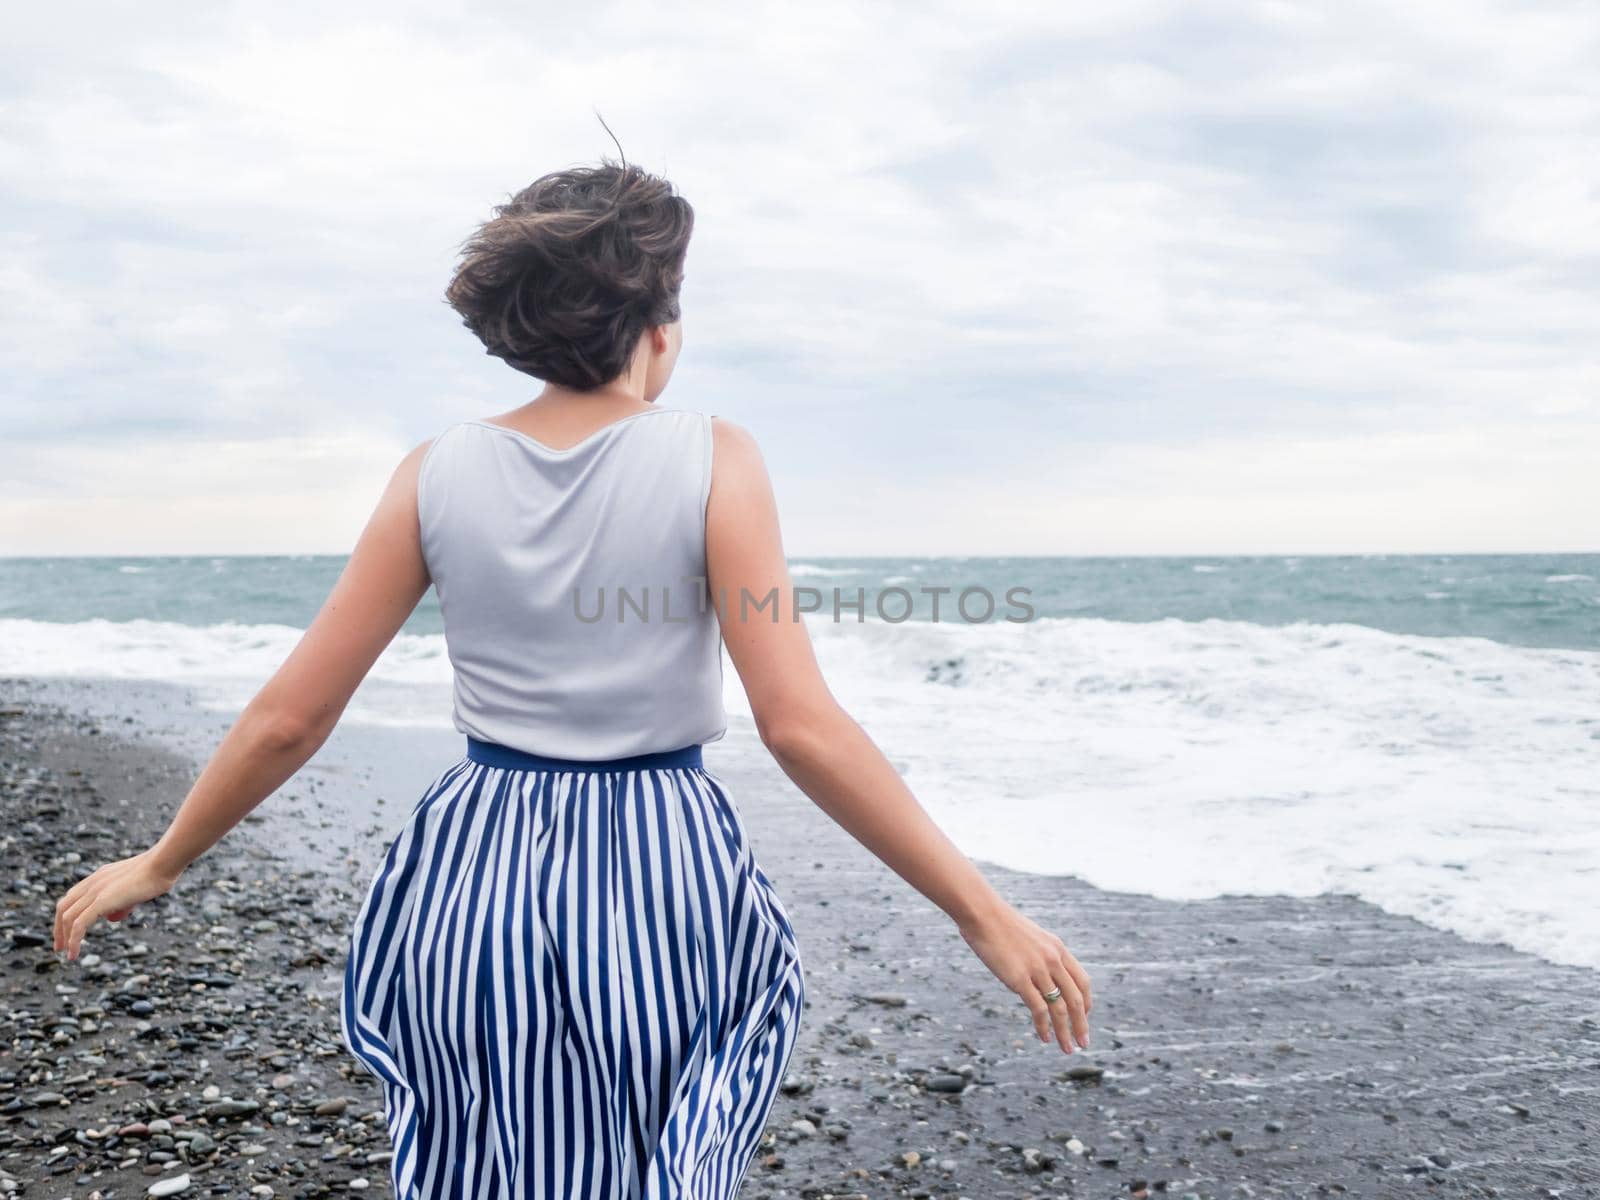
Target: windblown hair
566	276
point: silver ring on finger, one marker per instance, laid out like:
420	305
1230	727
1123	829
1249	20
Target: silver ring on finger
1052	995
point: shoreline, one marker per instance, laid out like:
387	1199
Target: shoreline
1239	1046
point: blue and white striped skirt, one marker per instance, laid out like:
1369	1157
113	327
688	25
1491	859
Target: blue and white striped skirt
573	980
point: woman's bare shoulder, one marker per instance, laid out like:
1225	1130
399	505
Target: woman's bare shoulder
734	444
741	492
400	493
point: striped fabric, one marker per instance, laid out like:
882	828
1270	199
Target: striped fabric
573	980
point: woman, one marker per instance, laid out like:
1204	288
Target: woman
569	974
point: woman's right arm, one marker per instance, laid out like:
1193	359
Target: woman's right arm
833	761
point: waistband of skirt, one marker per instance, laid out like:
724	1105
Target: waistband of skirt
493	754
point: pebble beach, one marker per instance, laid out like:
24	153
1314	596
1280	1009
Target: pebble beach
1242	1046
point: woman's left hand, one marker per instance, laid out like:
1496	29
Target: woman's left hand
1034	963
112	891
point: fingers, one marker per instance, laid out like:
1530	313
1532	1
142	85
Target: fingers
1053	1013
1079	977
1074	1005
79	919
1033	997
65	905
1066	1010
71	910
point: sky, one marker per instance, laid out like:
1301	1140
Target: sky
1011	278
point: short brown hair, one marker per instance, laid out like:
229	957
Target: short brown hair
566	276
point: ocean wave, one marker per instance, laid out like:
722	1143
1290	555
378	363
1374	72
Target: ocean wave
168	650
1450	779
1453	779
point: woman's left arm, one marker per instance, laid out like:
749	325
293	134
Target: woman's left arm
288	719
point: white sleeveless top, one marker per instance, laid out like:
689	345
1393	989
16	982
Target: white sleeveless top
572	585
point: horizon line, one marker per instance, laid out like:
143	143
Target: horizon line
1231	554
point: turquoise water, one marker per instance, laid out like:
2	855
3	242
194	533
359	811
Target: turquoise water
1550	600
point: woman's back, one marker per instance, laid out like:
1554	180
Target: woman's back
570	974
572	585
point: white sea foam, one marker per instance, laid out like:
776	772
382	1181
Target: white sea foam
225	663
806	570
1456	780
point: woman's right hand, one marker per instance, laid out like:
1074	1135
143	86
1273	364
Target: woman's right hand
1031	961
111	891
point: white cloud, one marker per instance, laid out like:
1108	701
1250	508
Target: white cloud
192	495
1495	488
926	235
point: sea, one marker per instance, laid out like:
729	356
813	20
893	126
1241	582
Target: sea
1419	731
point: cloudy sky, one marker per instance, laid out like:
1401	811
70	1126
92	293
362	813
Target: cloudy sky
1004	278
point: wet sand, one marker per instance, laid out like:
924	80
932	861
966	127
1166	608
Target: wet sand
1241	1046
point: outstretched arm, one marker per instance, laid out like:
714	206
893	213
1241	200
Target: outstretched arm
286	721
833	761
